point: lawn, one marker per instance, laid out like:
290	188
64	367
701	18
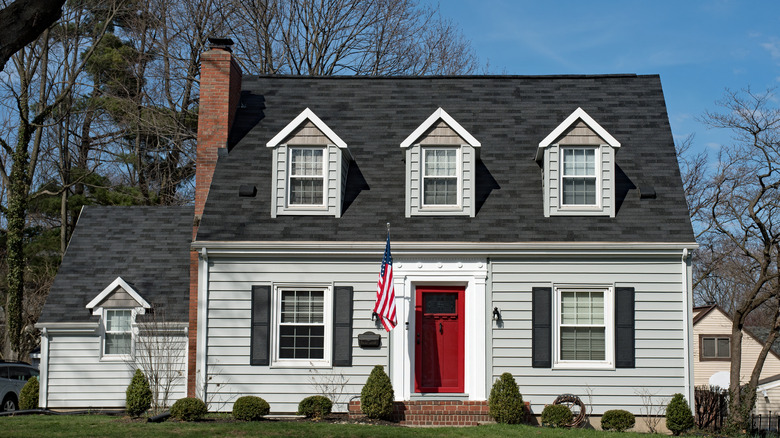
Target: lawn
111	426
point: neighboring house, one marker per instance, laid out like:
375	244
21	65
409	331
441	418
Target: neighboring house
538	227
712	356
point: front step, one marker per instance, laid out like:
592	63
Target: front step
434	412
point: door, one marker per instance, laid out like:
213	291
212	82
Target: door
439	324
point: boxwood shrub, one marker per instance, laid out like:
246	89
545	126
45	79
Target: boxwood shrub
617	419
316	406
28	396
189	409
678	415
138	397
250	408
506	402
556	416
376	398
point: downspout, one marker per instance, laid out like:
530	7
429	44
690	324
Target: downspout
201	355
43	390
687	285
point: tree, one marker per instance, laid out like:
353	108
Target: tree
23	21
742	217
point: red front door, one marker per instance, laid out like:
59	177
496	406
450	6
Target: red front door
439	339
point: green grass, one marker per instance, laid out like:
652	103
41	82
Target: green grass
111	426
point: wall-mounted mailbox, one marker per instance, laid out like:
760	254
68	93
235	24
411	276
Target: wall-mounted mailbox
369	340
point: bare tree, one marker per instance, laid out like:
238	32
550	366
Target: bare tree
23	21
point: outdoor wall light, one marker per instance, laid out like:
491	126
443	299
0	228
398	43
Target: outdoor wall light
496	314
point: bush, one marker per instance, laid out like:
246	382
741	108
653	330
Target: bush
28	397
678	415
617	419
316	406
189	409
376	398
556	416
138	397
506	402
250	408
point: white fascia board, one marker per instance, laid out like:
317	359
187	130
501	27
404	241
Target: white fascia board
433	118
578	114
111	287
769	385
307	114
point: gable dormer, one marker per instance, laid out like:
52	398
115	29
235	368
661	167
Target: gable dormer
578	162
441	159
310	164
117	306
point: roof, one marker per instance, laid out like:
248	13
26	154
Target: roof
508	115
147	246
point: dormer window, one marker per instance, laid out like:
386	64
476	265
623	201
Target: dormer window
117	306
310	165
578	168
118	332
441	159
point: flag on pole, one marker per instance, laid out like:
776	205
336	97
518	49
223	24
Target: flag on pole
385	292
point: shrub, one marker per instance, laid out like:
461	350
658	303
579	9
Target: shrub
617	419
188	409
678	415
138	397
506	402
28	397
556	416
316	406
250	408
376	398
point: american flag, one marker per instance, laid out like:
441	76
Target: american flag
385	292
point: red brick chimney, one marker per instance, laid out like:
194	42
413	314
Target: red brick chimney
220	90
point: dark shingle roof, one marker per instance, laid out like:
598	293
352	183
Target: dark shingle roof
508	115
147	246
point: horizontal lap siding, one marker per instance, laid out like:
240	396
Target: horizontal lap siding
231	376
659	331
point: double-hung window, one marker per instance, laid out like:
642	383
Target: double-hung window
585	334
306	176
715	347
304	325
118	332
578	176
440	176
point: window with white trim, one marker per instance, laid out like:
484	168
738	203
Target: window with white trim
440	176
584	327
303	325
579	183
306	179
118	332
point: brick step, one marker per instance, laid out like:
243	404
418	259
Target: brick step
435	412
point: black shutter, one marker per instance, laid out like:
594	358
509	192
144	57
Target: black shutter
541	323
342	326
261	320
625	356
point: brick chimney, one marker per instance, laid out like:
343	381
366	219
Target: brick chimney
220	90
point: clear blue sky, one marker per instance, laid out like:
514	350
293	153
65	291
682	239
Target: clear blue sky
699	48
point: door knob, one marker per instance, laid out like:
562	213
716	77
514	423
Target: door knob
441	328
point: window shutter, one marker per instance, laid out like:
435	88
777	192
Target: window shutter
625	356
342	326
541	323
261	320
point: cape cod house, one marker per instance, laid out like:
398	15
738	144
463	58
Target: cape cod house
538	227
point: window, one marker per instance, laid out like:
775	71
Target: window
578	176
118	332
585	330
714	347
307	178
304	326
440	176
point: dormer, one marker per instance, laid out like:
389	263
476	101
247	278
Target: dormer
310	164
578	163
117	306
441	159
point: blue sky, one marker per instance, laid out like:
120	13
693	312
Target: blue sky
699	48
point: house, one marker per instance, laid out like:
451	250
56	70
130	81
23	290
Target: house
537	224
712	356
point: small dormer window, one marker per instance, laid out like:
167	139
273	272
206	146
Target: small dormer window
117	306
440	176
118	332
307	178
578	176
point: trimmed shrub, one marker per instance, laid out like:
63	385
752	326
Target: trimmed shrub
189	409
678	415
556	416
316	406
506	402
28	397
617	419
138	397
250	408
376	398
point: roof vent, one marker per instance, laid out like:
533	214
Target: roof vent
221	43
646	192
247	191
